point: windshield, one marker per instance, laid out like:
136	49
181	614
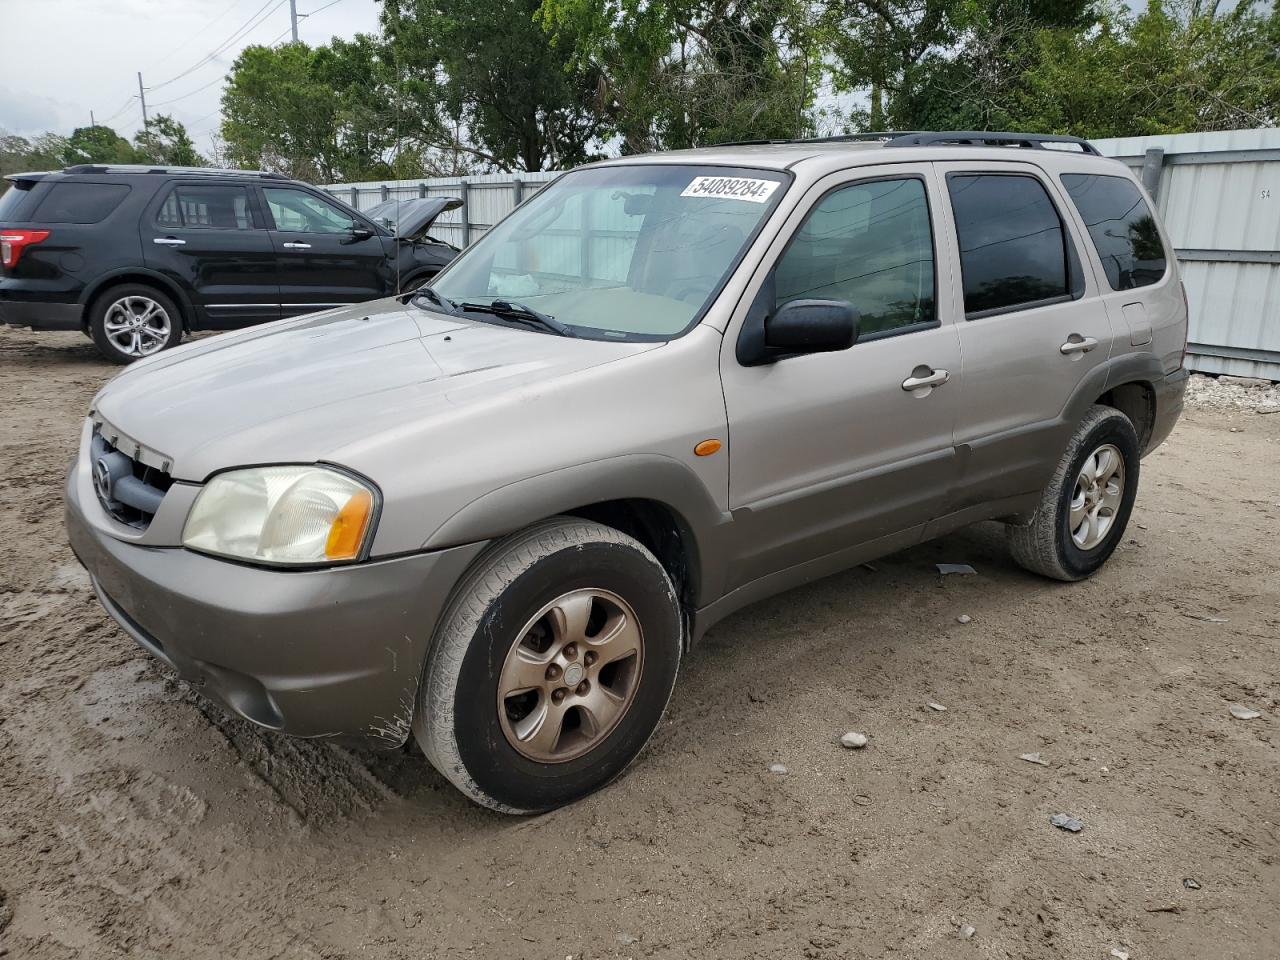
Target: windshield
627	252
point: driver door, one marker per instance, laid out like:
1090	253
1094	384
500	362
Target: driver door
320	262
830	452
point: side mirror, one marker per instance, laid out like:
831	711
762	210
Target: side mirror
359	233
811	326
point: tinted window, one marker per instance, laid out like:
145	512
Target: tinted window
1012	248
211	207
67	202
870	244
301	212
1122	227
12	198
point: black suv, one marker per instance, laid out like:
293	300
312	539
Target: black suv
136	256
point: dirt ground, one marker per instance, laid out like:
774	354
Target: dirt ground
138	821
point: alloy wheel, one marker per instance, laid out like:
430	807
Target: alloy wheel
137	326
1096	498
571	675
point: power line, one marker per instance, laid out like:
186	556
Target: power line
195	36
251	24
165	103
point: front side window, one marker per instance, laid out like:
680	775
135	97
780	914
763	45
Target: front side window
870	244
1013	249
206	207
1122	228
627	252
298	212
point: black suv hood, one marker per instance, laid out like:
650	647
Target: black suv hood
411	219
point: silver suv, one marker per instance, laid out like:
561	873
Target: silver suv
496	513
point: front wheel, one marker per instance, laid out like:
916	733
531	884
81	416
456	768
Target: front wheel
1085	507
551	667
133	321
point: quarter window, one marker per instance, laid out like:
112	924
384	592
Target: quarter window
206	207
70	202
1013	249
1123	230
299	212
870	244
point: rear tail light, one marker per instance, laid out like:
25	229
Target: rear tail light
1186	330
13	241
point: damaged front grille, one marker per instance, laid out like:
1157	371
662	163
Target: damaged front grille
128	489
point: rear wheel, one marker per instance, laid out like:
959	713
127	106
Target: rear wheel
551	668
1085	507
133	321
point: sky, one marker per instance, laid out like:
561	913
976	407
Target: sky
64	58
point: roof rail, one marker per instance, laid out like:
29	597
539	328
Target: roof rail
182	171
835	138
978	138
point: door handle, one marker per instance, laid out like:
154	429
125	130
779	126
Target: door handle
1078	344
935	378
296	246
169	242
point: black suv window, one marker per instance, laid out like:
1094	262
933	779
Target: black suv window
870	244
1122	227
296	211
70	202
206	207
1012	246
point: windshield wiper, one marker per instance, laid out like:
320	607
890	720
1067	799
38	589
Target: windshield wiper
443	303
510	310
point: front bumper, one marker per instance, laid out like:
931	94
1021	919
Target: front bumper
335	652
1169	401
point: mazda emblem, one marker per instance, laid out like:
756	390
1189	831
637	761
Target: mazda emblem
102	479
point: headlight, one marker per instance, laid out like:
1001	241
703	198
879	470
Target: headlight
282	515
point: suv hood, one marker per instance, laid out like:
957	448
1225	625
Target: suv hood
411	219
325	386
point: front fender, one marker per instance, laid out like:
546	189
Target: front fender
630	477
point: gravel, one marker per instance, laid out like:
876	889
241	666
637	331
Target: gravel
1232	393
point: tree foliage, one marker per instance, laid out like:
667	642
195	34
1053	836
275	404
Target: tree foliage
165	141
486	67
97	144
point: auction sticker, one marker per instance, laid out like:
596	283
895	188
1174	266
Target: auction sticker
731	188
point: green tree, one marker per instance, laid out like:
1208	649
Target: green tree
682	73
165	141
482	78
318	113
97	145
19	155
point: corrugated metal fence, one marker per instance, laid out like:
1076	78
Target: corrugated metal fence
1218	193
1219	198
486	199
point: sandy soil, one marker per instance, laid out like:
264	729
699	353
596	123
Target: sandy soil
137	821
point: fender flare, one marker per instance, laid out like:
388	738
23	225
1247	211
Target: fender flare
91	291
651	477
1129	368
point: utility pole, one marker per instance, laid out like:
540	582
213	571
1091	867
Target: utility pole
142	95
293	18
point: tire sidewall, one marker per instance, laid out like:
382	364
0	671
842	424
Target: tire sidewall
501	772
97	319
1117	430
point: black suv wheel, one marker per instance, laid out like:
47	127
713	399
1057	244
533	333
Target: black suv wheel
132	321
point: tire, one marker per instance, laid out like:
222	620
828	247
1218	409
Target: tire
159	327
468	723
411	285
1052	544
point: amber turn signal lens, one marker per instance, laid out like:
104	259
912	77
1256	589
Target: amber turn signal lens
706	448
347	532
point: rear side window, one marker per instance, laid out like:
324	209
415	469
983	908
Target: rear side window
870	244
206	207
1012	248
1122	227
12	198
70	202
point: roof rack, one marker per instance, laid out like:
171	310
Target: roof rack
978	138
184	171
922	138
